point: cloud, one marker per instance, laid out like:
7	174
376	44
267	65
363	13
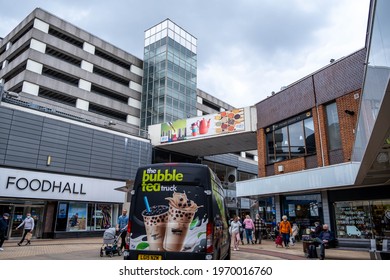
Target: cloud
246	49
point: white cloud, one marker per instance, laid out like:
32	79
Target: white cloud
246	49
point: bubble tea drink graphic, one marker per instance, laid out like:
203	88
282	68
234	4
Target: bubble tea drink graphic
180	215
155	221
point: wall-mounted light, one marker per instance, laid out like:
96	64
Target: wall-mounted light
280	168
349	112
48	161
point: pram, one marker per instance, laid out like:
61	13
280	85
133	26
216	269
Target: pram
110	243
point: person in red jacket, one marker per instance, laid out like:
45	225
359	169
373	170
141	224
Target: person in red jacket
285	230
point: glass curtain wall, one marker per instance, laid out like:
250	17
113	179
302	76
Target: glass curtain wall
170	75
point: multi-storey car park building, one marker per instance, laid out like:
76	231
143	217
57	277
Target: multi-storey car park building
70	126
73	134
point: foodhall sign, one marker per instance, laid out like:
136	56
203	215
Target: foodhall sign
37	185
28	184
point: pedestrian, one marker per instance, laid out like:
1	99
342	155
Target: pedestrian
249	227
317	230
285	230
234	231
241	230
294	233
326	238
28	224
3	229
258	229
123	220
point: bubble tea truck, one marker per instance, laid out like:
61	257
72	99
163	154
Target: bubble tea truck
177	211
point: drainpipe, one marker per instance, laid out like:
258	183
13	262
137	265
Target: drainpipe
318	120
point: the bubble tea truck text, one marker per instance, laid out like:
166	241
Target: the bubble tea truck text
152	178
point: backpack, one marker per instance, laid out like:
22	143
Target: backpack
312	252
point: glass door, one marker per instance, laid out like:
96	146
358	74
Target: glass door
16	219
19	215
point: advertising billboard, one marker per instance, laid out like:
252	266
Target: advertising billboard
208	125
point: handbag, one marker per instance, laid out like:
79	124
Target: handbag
28	236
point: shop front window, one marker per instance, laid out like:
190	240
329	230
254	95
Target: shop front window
76	216
363	219
304	210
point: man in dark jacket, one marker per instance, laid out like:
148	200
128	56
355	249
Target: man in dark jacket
326	238
3	229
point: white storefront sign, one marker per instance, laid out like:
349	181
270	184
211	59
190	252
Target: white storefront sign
39	185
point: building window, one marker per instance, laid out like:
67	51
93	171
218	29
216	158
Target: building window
291	139
363	219
78	216
304	210
333	127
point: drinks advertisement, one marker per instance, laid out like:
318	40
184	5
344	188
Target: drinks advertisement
213	124
168	217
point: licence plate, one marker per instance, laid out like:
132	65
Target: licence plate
149	257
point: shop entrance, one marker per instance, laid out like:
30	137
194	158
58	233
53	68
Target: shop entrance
18	214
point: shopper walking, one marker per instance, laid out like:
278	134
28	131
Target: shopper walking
249	227
294	234
234	230
258	229
3	229
28	224
122	225
242	228
285	230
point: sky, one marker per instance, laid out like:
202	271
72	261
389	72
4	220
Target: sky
246	49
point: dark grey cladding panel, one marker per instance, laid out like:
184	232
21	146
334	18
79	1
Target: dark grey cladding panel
79	149
228	159
29	130
342	77
289	102
6	113
5	126
73	149
247	167
55	131
53	151
80	132
23	138
13	157
51	143
77	170
76	159
103	136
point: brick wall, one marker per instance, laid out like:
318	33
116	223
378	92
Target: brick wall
262	152
340	82
291	165
348	122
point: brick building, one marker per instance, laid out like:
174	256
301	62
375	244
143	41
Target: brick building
324	142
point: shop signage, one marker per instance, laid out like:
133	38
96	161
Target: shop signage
44	185
40	185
